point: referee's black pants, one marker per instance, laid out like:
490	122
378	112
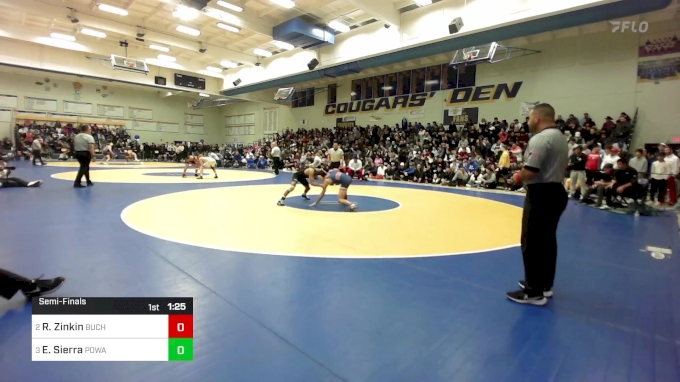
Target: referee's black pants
543	207
37	155
276	165
11	283
84	158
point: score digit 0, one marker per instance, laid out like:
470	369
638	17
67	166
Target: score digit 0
180	350
180	327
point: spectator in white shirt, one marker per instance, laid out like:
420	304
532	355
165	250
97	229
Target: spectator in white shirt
658	179
610	157
674	164
355	167
380	173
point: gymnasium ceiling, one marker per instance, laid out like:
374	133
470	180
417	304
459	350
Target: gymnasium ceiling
154	18
156	21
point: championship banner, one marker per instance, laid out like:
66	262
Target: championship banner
455	110
342	124
418	113
467	115
525	108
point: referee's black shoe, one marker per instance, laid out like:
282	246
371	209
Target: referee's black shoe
522	297
546	293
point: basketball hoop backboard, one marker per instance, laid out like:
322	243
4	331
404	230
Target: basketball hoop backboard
474	54
284	94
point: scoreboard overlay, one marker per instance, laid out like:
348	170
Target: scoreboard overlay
113	329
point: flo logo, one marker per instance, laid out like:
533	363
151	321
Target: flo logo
633	26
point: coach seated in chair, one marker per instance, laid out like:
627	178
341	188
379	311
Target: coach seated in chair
6	181
355	167
624	184
262	162
601	183
238	160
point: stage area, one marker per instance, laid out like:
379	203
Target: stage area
350	296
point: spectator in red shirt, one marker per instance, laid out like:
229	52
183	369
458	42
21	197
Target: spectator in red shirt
593	164
503	136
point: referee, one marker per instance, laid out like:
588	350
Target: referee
335	156
83	145
545	164
276	158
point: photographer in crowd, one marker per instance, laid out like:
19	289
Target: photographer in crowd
7	181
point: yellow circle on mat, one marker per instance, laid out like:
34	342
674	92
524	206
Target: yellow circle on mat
428	223
117	164
148	175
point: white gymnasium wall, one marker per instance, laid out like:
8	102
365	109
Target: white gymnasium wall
169	109
594	73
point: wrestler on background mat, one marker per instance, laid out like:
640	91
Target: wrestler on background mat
199	164
335	177
305	177
129	154
107	153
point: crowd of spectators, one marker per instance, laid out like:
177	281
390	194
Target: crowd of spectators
486	154
57	139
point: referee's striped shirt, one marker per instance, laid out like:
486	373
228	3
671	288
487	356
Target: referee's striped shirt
276	152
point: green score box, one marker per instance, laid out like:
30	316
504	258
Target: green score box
180	349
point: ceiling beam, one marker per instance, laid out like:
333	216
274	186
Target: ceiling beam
245	20
403	4
383	10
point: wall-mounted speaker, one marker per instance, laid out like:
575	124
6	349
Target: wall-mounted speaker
237	82
313	64
456	25
158	80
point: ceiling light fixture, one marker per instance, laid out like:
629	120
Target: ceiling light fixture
185	13
262	52
93	33
165	57
228	64
284	3
422	3
338	26
61	36
204	95
112	9
213	69
228	27
159	48
189	31
232	7
283	45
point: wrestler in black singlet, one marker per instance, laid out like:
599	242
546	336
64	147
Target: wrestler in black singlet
301	177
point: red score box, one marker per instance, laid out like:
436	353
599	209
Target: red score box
181	326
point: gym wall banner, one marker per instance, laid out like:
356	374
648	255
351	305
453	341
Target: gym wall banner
486	93
344	123
469	114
